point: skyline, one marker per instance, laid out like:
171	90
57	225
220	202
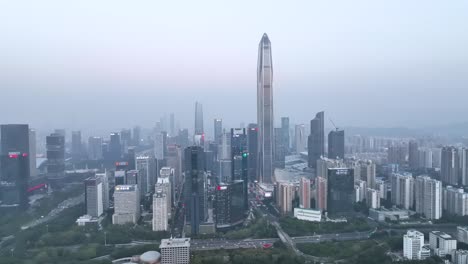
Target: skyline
87	74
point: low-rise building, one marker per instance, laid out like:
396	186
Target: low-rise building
308	214
175	251
413	246
442	243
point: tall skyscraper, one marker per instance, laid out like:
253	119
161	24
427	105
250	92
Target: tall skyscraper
32	153
104	178
285	133
147	172
55	144
316	140
77	145
172	130
115	147
449	172
174	160
199	133
126	204
464	166
304	193
428	197
280	149
300	138
265	118
14	164
125	139
252	146
229	204
195	188
218	130
93	196
136	136
95	148
336	144
413	154
340	190
160	209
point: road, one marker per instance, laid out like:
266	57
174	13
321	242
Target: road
56	211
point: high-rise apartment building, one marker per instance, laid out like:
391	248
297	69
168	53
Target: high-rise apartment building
464	166
428	197
104	178
402	190
449	171
373	198
455	201
265	118
321	193
316	140
304	193
126	204
284	197
413	154
336	144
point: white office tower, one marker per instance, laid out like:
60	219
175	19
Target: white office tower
104	177
428	197
126	204
175	251
462	234
455	201
413	243
382	187
373	198
360	188
93	194
146	167
300	140
367	170
166	179
442	243
402	190
160	209
460	257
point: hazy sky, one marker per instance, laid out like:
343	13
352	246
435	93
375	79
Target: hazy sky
114	64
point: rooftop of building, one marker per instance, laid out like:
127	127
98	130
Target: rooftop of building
175	242
442	234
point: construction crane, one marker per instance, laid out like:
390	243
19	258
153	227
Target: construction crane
336	128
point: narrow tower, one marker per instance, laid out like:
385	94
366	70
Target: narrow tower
265	118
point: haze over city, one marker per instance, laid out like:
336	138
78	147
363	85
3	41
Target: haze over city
103	65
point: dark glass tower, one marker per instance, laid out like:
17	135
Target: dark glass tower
195	188
55	144
316	140
252	147
265	118
14	164
336	144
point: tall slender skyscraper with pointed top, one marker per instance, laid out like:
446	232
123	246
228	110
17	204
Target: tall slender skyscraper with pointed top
199	135
265	117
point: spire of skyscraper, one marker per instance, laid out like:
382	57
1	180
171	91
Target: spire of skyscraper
265	117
